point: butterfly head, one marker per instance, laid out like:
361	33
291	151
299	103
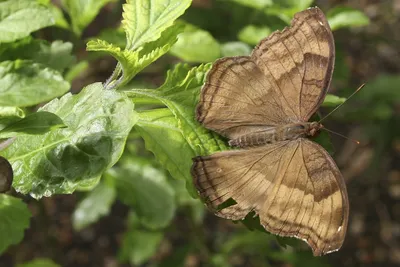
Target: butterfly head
313	128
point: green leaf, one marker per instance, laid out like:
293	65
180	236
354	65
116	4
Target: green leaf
139	245
42	2
173	155
36	123
18	18
232	49
58	16
257	4
133	62
298	259
184	198
83	12
285	9
57	55
145	188
9	115
25	84
379	99
115	36
247	241
253	34
344	17
180	94
39	262
95	205
333	101
196	45
127	59
14	219
59	161
297	5
144	20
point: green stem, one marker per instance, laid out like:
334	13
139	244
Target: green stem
110	83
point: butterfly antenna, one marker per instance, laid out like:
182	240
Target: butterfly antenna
359	88
341	135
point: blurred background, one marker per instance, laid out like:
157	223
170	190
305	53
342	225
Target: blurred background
367	37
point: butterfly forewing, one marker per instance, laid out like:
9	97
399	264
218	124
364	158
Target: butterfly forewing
299	60
237	97
284	80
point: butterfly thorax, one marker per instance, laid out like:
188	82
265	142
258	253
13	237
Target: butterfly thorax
276	134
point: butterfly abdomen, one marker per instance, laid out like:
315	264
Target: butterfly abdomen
273	134
255	139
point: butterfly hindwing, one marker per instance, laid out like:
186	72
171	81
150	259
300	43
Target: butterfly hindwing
294	187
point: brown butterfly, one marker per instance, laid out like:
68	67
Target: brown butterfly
262	103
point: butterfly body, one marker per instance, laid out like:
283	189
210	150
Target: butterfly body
277	134
262	104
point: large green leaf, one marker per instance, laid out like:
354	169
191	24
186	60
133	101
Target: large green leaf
18	18
14	219
157	125
23	83
180	94
82	12
145	188
144	20
98	123
96	204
